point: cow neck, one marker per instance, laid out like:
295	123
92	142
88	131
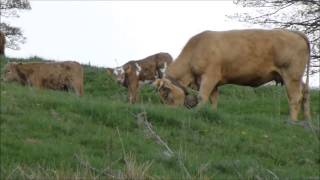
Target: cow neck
176	83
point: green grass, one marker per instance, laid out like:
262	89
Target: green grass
50	134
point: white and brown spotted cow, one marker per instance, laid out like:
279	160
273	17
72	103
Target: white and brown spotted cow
243	57
146	70
62	76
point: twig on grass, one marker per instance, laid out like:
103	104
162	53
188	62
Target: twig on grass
88	166
272	173
132	169
12	172
122	145
108	169
142	122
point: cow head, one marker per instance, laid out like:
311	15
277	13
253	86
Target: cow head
174	94
10	72
118	73
169	93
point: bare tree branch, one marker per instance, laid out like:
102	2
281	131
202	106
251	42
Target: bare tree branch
9	9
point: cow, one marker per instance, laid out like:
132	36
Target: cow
62	76
134	73
249	57
2	43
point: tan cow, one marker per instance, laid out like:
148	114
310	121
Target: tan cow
243	57
63	76
145	70
2	43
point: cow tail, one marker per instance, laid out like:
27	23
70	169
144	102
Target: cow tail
308	45
305	91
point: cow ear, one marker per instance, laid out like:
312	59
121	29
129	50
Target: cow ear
162	84
156	83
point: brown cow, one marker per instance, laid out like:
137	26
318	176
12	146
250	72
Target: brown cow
57	76
243	57
146	70
2	43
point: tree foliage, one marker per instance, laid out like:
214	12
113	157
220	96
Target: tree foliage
10	9
302	15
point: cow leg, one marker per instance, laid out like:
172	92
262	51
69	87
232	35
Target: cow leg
77	87
133	92
306	102
81	89
214	98
294	92
206	87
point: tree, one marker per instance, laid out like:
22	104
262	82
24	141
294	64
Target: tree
302	15
9	9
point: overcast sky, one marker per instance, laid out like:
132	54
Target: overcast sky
110	33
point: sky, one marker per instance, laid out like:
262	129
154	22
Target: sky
110	33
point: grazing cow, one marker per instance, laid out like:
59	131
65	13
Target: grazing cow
146	70
243	57
57	76
2	43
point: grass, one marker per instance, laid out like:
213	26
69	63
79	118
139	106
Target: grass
56	135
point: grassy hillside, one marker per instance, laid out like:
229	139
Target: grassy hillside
57	135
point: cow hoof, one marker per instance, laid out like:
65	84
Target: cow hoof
293	122
305	124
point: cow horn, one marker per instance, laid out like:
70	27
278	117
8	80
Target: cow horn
160	85
176	83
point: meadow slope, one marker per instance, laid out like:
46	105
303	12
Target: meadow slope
56	135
